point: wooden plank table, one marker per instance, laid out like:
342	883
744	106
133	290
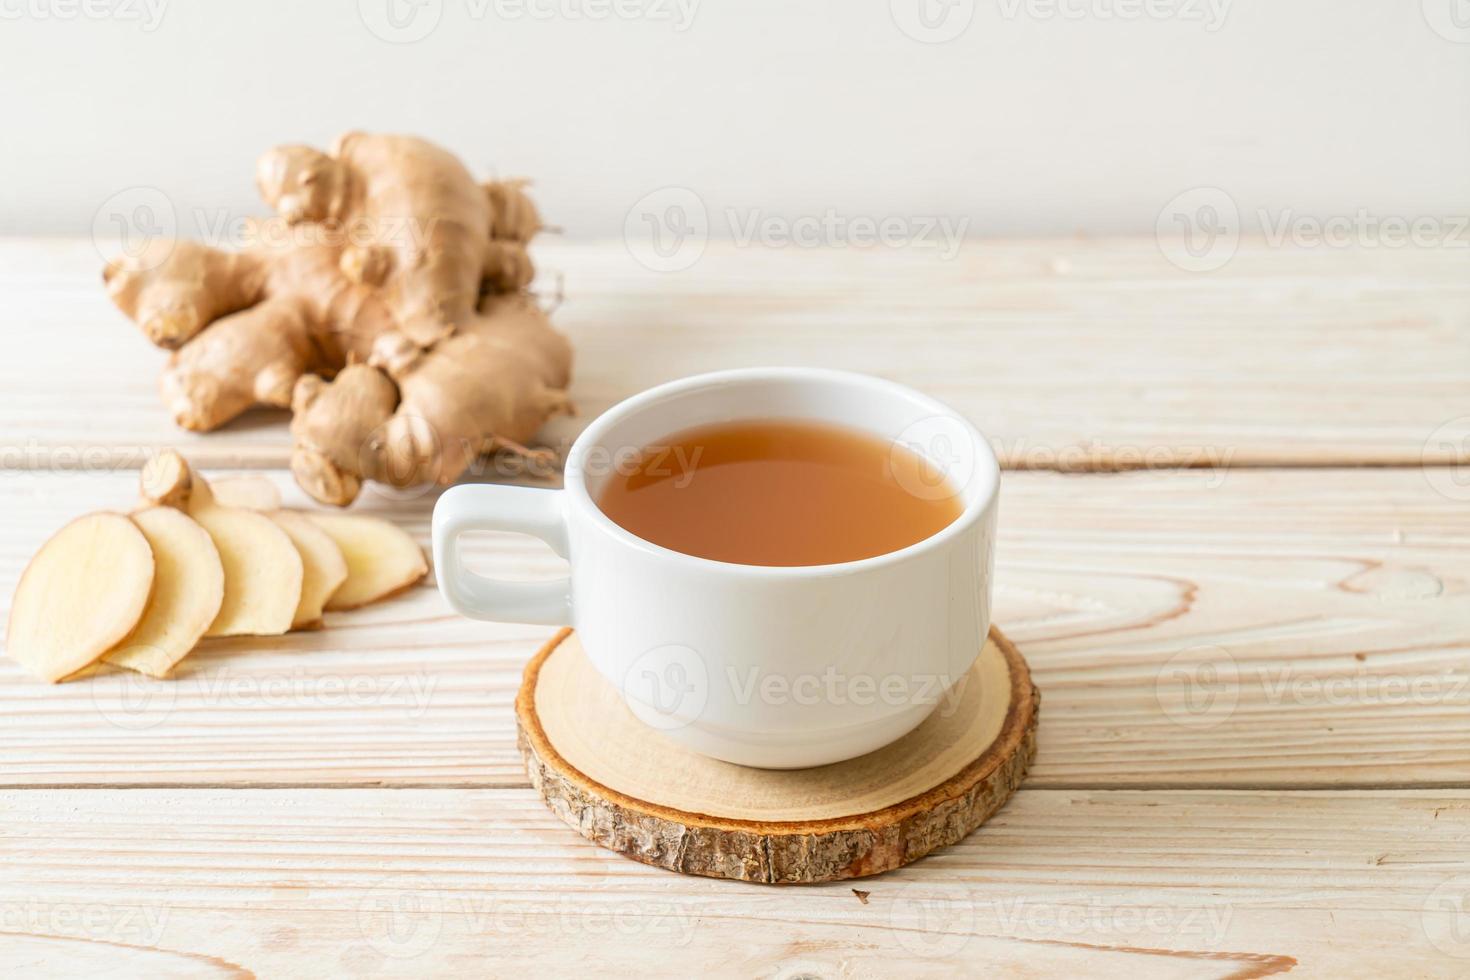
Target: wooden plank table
1253	646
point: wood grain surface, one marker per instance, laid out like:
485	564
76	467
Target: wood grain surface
1067	354
1289	628
1256	673
237	883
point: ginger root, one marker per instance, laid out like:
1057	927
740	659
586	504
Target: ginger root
482	389
395	273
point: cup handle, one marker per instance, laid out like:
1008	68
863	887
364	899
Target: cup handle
475	507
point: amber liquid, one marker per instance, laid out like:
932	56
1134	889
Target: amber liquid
778	492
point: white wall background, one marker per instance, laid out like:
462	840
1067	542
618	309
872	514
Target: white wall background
1039	117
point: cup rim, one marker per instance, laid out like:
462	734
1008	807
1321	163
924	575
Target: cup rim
987	470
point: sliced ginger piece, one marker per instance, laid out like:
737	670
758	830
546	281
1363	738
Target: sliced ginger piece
263	569
250	492
324	566
82	593
263	572
381	558
188	590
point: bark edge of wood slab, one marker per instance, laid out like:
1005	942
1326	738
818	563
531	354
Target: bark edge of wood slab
969	779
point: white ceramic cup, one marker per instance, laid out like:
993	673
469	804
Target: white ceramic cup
777	667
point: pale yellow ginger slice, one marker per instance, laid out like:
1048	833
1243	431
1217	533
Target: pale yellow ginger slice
381	558
250	492
263	572
263	569
325	567
188	590
81	594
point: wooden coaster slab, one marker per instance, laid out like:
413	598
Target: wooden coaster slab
630	789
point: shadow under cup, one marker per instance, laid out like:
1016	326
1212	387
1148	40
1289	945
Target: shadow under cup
783	666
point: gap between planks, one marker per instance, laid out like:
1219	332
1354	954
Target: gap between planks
281	462
521	784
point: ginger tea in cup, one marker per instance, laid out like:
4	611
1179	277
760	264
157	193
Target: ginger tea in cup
794	521
779	492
